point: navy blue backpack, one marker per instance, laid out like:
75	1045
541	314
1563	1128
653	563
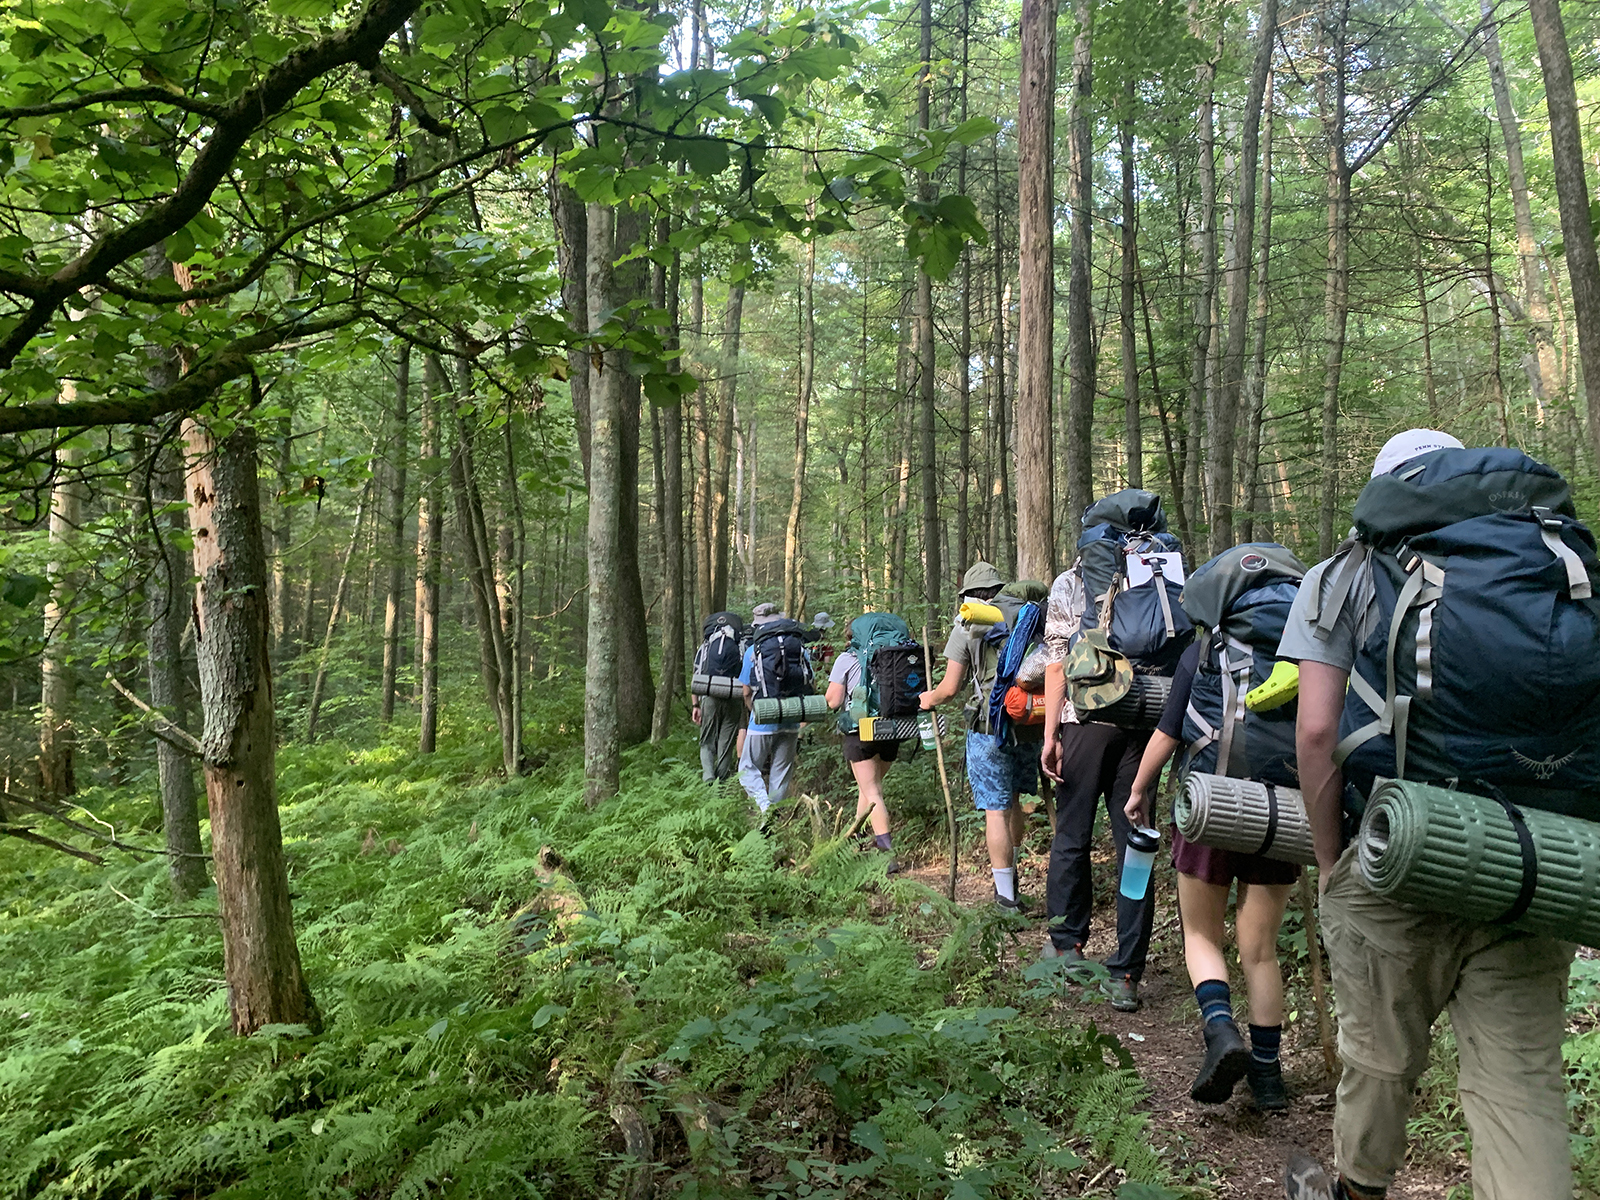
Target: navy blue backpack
1147	622
1484	661
1242	598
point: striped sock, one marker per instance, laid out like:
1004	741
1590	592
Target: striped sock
1214	999
1264	1042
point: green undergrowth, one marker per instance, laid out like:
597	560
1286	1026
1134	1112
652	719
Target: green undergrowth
521	995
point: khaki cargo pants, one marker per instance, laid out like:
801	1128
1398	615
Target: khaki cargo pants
1394	970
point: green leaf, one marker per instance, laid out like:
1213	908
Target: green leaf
705	156
1146	1191
545	1015
772	108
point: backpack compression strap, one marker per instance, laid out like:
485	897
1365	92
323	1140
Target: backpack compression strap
1577	575
1325	610
1423	587
1235	674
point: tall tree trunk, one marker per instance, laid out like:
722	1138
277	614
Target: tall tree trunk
1036	290
430	521
802	423
395	529
927	462
58	687
602	762
1202	348
672	581
635	692
964	346
260	958
1256	385
480	579
1336	297
281	531
728	394
1080	334
341	594
1572	193
515	620
1225	419
1133	428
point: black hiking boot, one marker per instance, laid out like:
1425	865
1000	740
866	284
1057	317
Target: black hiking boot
1266	1086
1020	907
1227	1059
1124	993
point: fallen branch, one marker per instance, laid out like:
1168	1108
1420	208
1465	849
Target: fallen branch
150	912
173	735
55	814
28	835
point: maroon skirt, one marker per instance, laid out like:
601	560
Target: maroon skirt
1222	867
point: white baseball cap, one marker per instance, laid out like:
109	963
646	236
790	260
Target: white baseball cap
1403	447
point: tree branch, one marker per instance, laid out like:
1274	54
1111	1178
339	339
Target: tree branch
28	835
403	93
174	735
234	125
126	95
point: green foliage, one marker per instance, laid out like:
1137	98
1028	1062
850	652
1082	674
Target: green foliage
487	1002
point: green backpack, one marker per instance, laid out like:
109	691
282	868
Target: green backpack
869	633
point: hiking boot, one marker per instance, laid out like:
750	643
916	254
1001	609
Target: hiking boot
1266	1086
1304	1179
1072	954
1124	993
1018	907
1227	1059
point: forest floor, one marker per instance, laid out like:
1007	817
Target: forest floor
1234	1150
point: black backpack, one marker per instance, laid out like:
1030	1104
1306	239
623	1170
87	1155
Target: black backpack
1242	598
780	668
1484	661
871	635
1147	623
899	676
721	651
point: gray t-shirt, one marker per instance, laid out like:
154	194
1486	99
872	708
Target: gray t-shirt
846	670
1300	642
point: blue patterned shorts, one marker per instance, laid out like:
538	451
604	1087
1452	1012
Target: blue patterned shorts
998	771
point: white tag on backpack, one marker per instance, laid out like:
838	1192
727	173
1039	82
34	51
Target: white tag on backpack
1141	567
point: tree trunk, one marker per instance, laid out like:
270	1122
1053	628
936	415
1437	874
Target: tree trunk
1035	290
58	682
259	956
1572	192
430	521
1256	384
341	594
728	393
635	691
1224	420
282	531
927	462
1201	350
802	423
1080	335
672	581
602	762
1336	297
480	577
1133	429
394	549
964	347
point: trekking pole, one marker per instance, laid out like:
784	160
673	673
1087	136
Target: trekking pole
944	779
1319	992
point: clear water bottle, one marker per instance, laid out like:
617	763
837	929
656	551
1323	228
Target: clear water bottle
1137	861
928	729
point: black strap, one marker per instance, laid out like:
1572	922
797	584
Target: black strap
1530	860
1272	819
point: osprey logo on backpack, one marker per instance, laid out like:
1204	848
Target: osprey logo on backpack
1542	768
1253	563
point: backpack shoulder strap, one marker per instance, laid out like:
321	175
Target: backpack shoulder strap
1333	593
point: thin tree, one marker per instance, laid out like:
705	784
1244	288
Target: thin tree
395	529
1132	425
1080	333
58	678
430	521
341	596
927	461
802	424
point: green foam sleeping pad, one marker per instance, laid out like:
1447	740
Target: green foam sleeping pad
1140	708
1460	853
725	687
790	708
1245	817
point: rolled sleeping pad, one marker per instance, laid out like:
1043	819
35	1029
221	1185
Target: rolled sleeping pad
1141	707
1244	816
725	687
894	729
790	708
1465	855
974	613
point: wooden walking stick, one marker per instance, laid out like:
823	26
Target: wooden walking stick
1319	991
944	779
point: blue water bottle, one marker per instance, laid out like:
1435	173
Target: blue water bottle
1138	859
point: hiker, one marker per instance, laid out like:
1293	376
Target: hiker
774	666
1242	597
1001	765
878	676
1093	759
1481	551
717	701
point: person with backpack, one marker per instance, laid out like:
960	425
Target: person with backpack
775	666
1002	764
1242	598
1117	604
717	702
880	675
1453	639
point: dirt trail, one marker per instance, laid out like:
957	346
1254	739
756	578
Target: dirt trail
1234	1149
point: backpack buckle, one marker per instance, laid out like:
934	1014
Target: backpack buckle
1546	518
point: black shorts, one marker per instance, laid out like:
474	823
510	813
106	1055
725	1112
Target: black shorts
855	750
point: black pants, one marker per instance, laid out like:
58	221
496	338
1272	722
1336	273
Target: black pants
1096	761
